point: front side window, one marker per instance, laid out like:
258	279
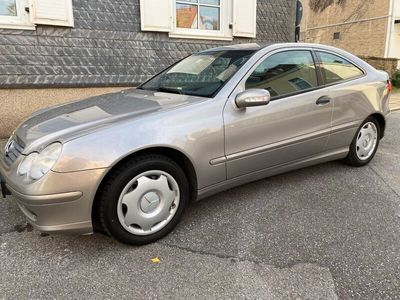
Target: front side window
202	74
198	14
335	68
285	73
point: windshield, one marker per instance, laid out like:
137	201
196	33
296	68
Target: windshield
202	74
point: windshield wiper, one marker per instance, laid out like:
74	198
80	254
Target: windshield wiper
170	90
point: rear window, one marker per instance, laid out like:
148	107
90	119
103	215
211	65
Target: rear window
336	68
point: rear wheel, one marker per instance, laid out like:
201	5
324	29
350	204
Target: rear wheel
143	200
365	143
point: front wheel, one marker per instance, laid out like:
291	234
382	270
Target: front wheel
365	143
143	200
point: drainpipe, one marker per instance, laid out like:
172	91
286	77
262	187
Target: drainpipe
389	29
299	17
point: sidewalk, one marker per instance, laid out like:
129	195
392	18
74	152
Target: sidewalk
395	101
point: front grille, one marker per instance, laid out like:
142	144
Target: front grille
12	151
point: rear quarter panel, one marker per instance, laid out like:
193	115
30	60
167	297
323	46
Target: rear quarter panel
354	101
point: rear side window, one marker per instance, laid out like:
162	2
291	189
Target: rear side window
335	68
285	73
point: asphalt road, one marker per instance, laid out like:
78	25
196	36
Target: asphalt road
324	232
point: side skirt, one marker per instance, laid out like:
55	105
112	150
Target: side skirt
293	165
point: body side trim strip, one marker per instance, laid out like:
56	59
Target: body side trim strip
253	176
346	126
282	144
273	146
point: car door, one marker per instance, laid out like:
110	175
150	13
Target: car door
294	125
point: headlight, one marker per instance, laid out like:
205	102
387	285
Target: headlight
9	142
26	164
36	165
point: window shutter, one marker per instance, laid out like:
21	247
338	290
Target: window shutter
244	18
156	15
52	12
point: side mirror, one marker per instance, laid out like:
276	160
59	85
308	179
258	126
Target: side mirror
252	97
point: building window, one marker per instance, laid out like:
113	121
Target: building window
14	15
25	14
8	8
336	35
198	14
200	19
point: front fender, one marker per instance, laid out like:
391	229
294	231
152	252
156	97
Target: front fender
199	137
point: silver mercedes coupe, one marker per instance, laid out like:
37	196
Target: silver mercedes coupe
129	163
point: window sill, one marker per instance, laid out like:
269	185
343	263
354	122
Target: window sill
17	26
200	37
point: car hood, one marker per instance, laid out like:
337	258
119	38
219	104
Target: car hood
63	122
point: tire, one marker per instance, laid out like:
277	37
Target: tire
354	158
142	191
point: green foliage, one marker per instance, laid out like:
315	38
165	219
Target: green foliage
396	81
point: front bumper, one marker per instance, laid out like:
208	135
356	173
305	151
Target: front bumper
58	202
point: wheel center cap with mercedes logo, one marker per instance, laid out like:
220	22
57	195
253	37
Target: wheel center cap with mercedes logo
149	202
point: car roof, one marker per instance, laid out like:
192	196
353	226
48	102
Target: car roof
259	46
249	47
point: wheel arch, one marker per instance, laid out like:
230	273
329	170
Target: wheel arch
382	123
177	156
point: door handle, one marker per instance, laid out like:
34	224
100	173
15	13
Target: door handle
323	100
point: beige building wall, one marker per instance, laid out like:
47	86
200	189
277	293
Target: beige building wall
362	25
18	104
